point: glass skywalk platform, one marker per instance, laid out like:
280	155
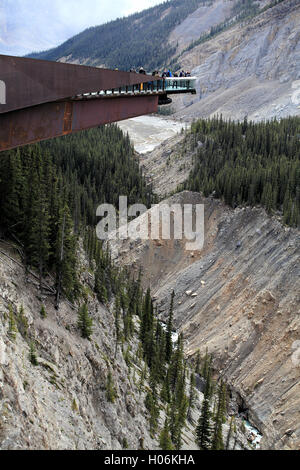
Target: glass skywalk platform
160	86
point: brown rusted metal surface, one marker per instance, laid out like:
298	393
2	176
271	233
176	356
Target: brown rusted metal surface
87	113
68	118
30	82
40	99
49	120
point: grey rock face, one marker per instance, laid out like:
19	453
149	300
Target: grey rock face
62	403
250	70
246	311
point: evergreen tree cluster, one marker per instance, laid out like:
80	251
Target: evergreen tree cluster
168	380
249	163
167	374
116	285
85	322
98	165
49	194
209	430
36	215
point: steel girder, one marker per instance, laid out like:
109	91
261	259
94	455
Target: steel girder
38	99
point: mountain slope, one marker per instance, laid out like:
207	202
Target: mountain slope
61	403
245	54
238	297
140	39
251	69
200	22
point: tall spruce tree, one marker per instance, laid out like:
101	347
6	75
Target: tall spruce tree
204	428
85	322
219	418
66	274
117	323
165	441
192	396
147	328
169	343
12	326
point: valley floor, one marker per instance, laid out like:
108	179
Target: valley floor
148	132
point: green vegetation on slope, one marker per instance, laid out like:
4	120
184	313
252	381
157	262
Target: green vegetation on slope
49	194
38	186
98	165
159	362
140	39
248	163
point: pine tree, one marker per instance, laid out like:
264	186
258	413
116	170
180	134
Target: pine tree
117	323
217	440
85	322
179	407
152	406
165	391
192	396
43	312
111	393
146	328
178	398
203	430
100	287
12	327
165	441
143	378
22	322
169	344
176	365
66	275
32	354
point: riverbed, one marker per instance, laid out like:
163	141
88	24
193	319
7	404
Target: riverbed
148	132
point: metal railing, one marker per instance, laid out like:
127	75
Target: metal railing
161	85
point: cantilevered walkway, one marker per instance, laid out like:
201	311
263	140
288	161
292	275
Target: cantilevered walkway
41	99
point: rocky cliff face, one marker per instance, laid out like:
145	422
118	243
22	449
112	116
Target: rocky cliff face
252	69
239	297
61	403
200	22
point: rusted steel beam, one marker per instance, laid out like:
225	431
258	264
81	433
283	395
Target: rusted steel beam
49	120
29	82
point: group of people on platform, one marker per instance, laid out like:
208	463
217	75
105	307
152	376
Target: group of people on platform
182	73
165	74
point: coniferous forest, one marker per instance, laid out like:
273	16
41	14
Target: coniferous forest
143	38
247	163
49	193
140	39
